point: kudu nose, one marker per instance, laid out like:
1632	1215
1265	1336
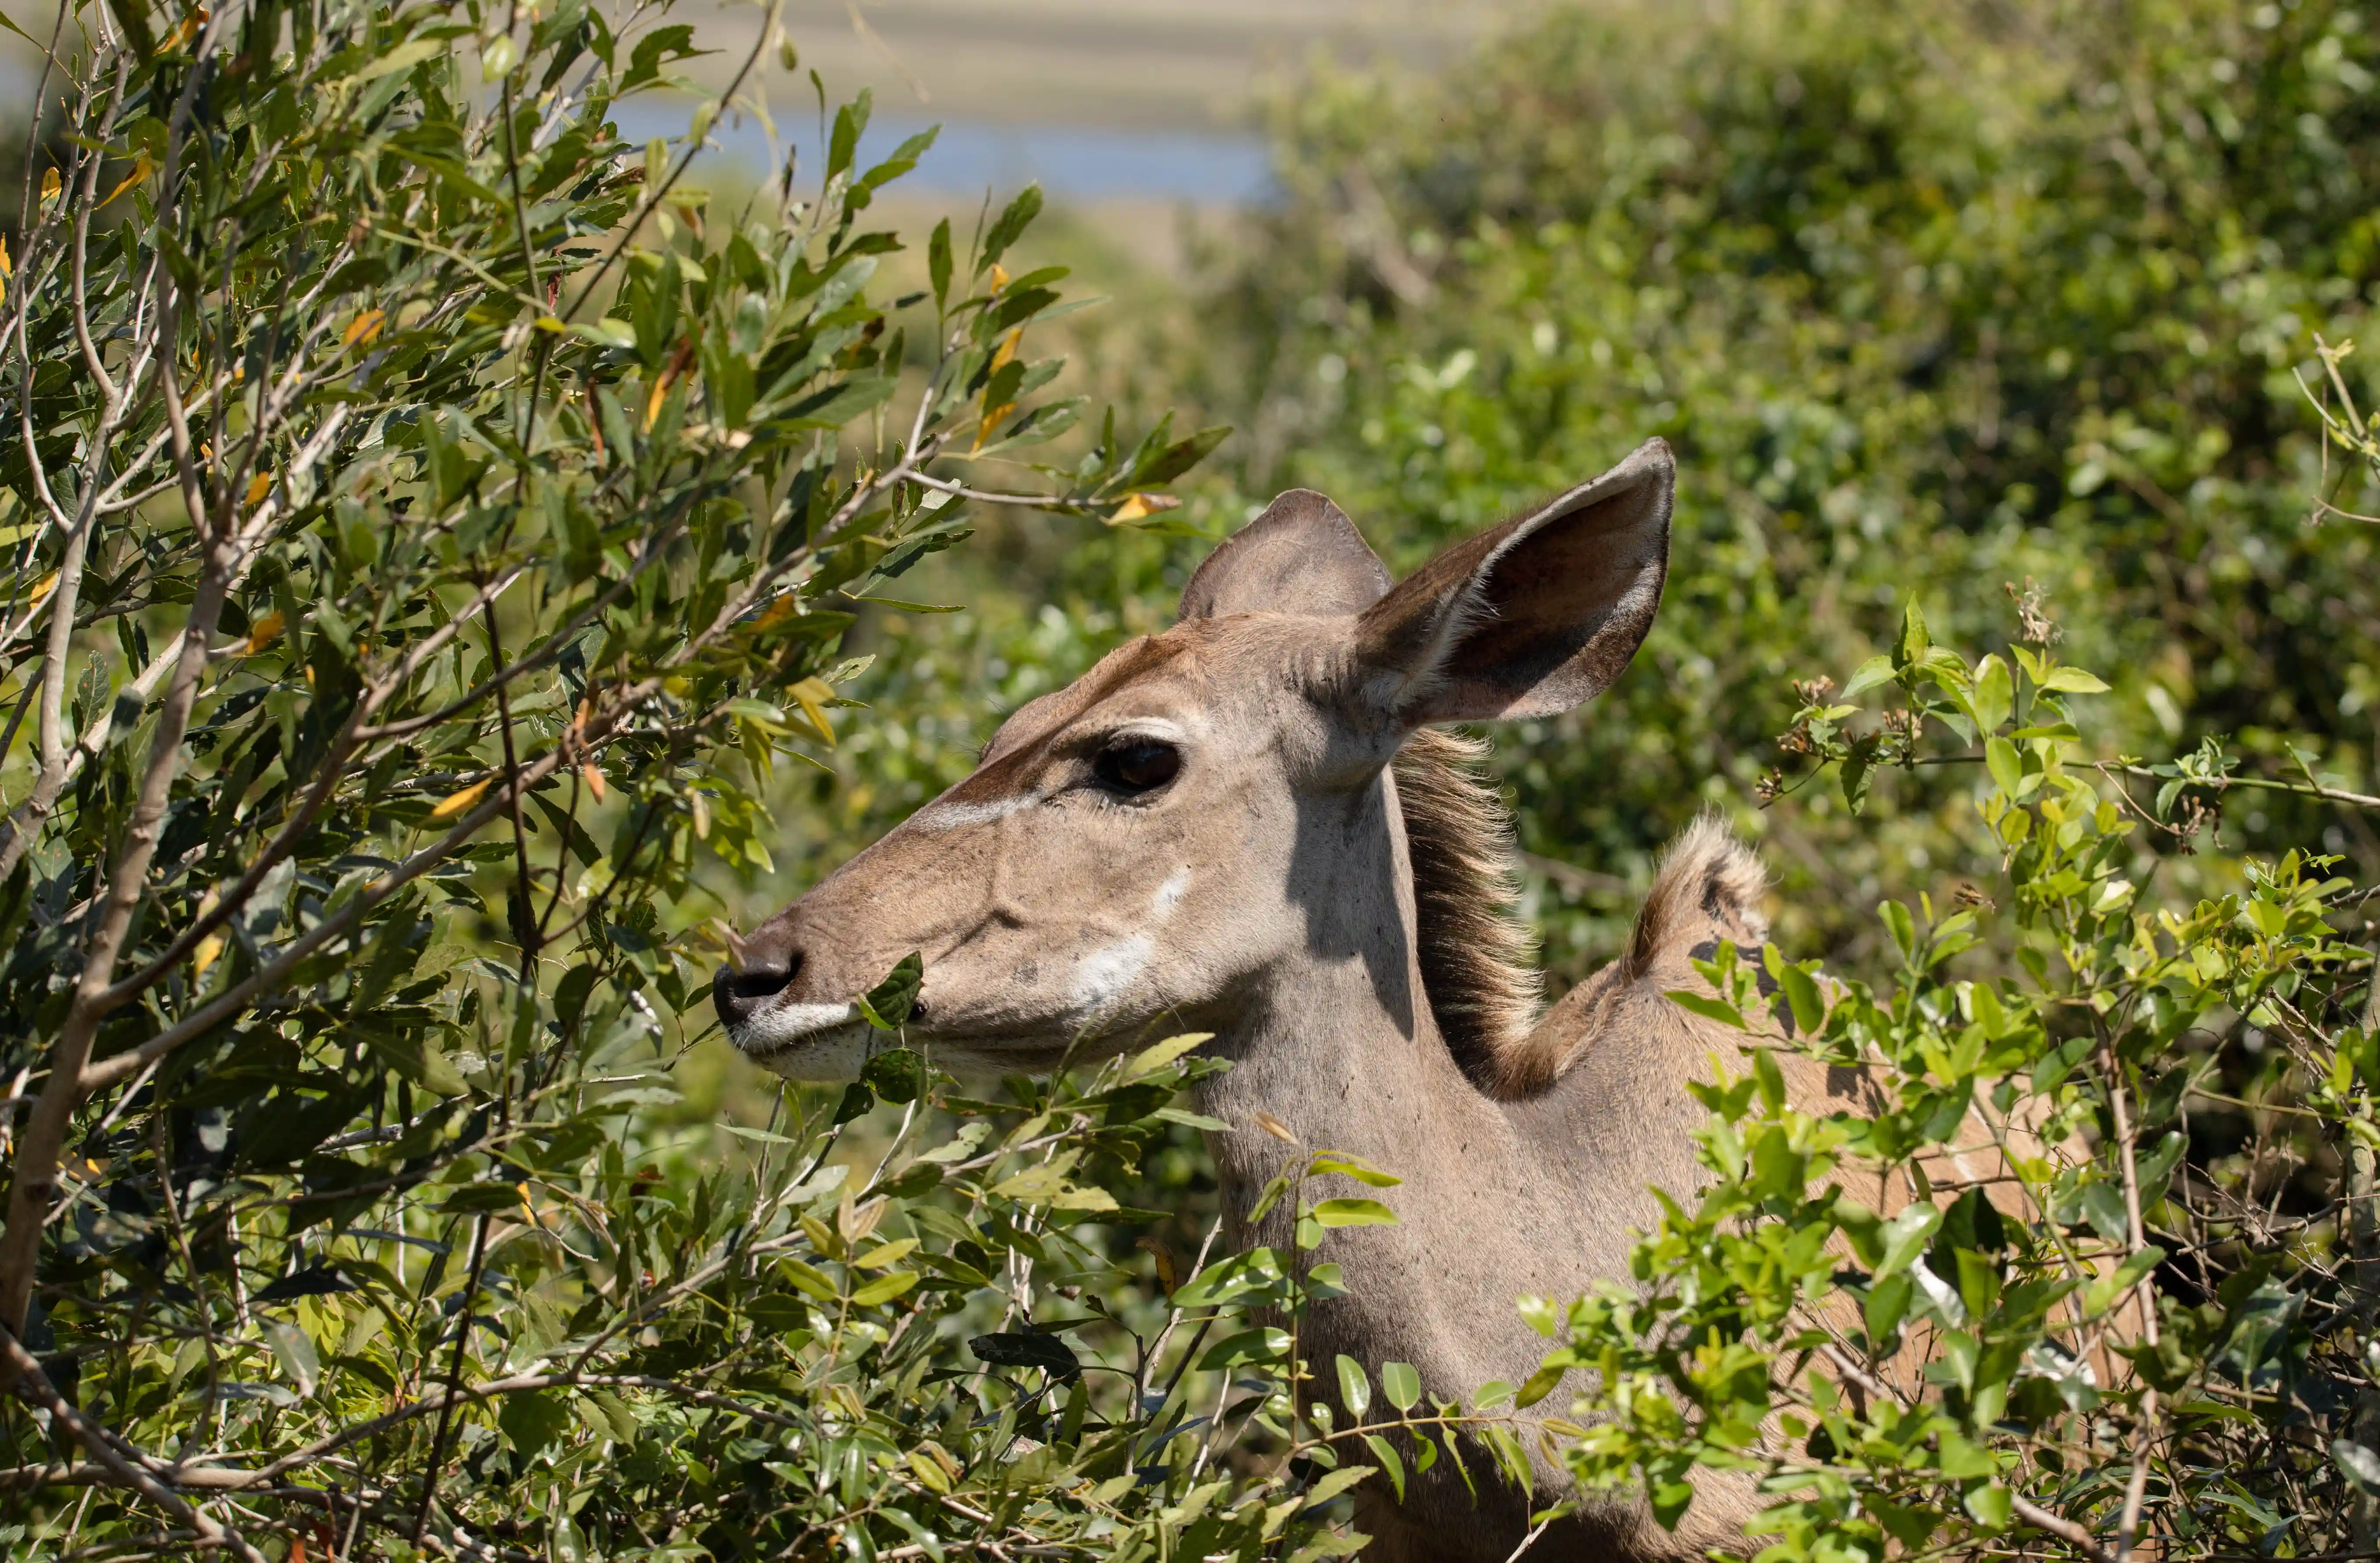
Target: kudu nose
738	991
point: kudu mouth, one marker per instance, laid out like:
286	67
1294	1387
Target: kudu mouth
750	995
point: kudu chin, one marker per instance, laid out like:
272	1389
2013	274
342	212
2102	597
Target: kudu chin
1248	826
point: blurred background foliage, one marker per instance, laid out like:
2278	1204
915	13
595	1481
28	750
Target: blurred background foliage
1939	299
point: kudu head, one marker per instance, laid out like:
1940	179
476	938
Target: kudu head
1200	815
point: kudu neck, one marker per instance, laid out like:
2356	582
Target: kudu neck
1337	1042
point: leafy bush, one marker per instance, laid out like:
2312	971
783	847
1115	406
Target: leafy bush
2117	1291
1974	304
433	532
433	528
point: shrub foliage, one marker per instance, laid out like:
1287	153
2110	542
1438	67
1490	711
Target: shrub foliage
433	526
433	529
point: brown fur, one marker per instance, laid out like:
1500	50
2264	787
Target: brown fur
1262	896
1476	954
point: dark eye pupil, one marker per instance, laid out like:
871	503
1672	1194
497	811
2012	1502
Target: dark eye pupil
1139	765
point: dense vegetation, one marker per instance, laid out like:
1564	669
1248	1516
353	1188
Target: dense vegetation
2012	314
433	529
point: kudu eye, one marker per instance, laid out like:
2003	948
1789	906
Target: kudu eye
1138	764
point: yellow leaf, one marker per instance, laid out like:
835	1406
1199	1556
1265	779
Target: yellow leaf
1140	504
363	328
812	694
455	803
594	775
653	402
186	32
259	486
551	322
51	187
264	633
701	814
1274	1127
142	169
8	267
42	588
1005	351
204	956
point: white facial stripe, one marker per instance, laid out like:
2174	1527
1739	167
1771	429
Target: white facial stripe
1106	972
954	816
1168	895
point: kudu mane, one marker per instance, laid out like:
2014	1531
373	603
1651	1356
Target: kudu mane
1478	956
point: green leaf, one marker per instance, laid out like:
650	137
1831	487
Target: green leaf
1874	671
2008	769
1708	1008
1355	1386
809	1280
1994	697
1901	926
938	262
533	1421
1913	643
1256	1347
1335	1483
1990	1505
2110	1289
404	57
887	1004
1353	1212
849	121
1401	1385
1329	1163
2073	680
1541	1382
294	1349
1026	1348
884	1288
1802	993
1905	1234
1011	226
1164	1053
898	1076
1389	1462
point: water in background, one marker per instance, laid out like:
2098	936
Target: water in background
1072	163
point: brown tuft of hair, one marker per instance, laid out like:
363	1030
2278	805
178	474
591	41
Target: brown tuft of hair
1709	887
1478	956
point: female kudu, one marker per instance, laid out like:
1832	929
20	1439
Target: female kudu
1244	826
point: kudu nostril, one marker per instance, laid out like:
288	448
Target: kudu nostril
737	992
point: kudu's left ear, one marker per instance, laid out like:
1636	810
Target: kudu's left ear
1303	555
1532	618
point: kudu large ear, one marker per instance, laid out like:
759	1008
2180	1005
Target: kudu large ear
1532	618
1303	555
